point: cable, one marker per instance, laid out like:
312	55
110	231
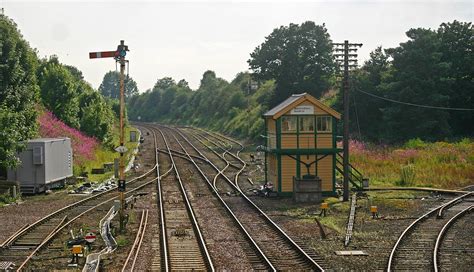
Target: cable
357	116
415	105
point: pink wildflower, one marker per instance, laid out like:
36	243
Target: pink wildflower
83	146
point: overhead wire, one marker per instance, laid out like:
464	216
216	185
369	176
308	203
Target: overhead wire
413	104
357	117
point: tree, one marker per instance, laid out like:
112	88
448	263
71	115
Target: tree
418	76
110	86
457	49
366	111
18	92
298	57
164	83
96	117
183	84
59	91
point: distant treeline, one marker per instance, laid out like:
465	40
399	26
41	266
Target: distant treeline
217	104
423	88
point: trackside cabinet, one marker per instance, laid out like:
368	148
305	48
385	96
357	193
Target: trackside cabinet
44	164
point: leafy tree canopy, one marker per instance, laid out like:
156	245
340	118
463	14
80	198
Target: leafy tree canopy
432	68
110	86
59	91
18	92
298	57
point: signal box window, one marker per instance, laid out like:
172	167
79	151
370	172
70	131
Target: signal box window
306	123
288	124
323	124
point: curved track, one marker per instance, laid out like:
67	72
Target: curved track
278	247
454	244
29	241
415	249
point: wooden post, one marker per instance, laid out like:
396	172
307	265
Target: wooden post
346	121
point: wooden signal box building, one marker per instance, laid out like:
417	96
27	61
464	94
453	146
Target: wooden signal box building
301	140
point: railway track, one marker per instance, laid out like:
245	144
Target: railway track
282	252
219	142
234	232
184	247
417	247
131	260
454	245
22	246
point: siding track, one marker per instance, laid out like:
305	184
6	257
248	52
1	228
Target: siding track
416	248
278	247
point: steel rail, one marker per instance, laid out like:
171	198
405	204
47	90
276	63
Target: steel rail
7	241
443	232
222	157
15	236
181	155
301	252
140	242
244	164
201	241
225	137
452	202
229	210
135	243
163	241
413	224
42	243
222	146
48	239
29	228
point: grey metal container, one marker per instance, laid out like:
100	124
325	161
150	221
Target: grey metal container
45	164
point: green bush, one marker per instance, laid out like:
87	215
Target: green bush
416	143
407	175
6	199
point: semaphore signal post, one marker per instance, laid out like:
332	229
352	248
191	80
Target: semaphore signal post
119	56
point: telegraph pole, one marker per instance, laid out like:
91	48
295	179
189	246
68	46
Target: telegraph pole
348	61
119	56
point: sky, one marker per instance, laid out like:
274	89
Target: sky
183	39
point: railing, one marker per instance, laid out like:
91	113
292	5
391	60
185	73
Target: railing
355	176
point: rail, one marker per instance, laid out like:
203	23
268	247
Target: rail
452	202
15	236
222	157
302	253
229	211
442	233
189	208
413	224
135	250
48	237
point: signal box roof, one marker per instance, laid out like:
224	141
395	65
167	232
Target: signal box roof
295	100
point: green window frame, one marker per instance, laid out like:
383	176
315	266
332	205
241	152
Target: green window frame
288	124
324	124
306	123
